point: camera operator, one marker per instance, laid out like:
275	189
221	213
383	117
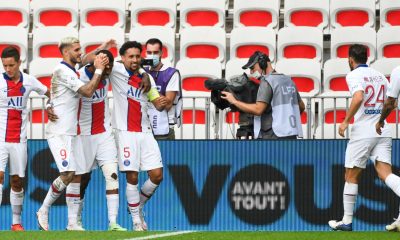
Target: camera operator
278	105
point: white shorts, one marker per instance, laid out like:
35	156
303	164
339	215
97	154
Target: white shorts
137	151
100	147
17	153
360	150
68	153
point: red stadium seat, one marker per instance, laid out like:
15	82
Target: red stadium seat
55	13
202	13
102	13
153	13
14	13
308	13
350	13
256	13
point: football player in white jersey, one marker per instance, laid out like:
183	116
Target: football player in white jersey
368	89
67	151
98	140
137	148
390	103
15	87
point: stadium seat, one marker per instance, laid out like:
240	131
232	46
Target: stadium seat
386	65
153	13
243	44
55	13
300	42
305	73
307	13
193	74
194	44
388	42
165	34
256	13
234	68
42	69
228	124
17	37
342	38
102	13
92	37
14	13
194	13
197	116
335	71
348	13
330	120
46	39
389	13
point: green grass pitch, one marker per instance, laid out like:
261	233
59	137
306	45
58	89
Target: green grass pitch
97	235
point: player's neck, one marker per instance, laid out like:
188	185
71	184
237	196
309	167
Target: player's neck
16	78
69	62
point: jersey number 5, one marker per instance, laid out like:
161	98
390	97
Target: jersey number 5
372	100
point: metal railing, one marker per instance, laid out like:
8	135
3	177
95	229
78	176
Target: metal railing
201	120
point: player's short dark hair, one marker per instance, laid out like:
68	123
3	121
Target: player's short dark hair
108	53
11	51
130	44
153	41
359	53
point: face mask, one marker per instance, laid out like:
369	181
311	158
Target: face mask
155	58
255	74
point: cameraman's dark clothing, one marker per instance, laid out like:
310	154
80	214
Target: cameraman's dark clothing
266	94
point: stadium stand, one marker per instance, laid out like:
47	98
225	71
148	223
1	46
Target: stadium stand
153	13
102	13
347	13
256	13
307	13
14	13
195	13
43	74
45	41
234	68
389	13
386	65
92	37
388	42
243	44
55	13
15	36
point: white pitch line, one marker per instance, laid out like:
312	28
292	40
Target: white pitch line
161	235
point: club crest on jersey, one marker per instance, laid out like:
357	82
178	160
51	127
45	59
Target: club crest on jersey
65	163
127	162
22	90
15	101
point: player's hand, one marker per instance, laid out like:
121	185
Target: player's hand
145	84
228	97
379	126
162	101
50	113
342	128
101	61
110	43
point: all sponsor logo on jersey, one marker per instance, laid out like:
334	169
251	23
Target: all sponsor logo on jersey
15	102
134	93
99	94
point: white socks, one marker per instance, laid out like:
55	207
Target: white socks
350	192
112	207
393	182
56	188
1	193
73	199
147	191
132	195
16	200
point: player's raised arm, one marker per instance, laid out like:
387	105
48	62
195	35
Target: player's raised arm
88	89
90	57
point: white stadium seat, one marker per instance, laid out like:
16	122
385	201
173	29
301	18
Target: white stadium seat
307	13
388	42
194	44
256	13
305	73
234	68
55	13
46	39
244	44
194	13
153	13
335	71
42	69
342	38
16	36
14	13
389	13
347	13
102	13
91	37
300	42
386	65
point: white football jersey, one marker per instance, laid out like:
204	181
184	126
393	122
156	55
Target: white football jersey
95	113
13	110
130	104
65	84
394	85
374	85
